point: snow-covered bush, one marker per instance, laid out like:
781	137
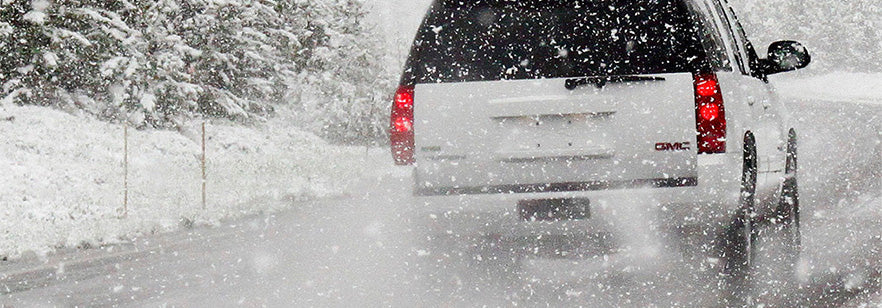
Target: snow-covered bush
155	61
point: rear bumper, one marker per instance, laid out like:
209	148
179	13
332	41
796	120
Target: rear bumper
669	206
709	199
556	187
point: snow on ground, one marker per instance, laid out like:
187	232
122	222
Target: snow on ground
836	87
63	178
839	114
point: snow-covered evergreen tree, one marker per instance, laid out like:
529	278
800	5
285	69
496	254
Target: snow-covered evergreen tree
348	93
152	61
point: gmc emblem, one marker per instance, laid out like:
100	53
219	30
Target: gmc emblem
679	146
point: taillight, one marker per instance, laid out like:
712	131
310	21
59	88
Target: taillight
710	114
401	130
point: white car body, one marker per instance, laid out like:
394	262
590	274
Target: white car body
483	147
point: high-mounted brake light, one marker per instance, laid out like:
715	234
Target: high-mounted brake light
401	129
710	114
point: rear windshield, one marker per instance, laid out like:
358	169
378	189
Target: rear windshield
478	40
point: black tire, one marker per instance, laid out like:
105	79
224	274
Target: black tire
787	213
762	253
739	237
788	205
777	247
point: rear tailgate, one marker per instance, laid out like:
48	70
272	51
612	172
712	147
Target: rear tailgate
518	136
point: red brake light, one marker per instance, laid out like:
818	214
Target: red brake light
401	129
706	87
402	124
404	99
710	114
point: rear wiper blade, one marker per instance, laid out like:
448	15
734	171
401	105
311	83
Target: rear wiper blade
600	82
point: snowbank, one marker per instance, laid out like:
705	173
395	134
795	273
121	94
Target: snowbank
836	87
62	183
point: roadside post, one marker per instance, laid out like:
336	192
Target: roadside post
125	168
203	167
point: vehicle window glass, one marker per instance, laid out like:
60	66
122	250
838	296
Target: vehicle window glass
739	49
752	58
712	39
502	39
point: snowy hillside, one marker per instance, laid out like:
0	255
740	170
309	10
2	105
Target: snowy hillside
63	185
282	73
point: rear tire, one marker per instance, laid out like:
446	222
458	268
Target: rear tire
788	207
787	213
740	236
762	254
774	276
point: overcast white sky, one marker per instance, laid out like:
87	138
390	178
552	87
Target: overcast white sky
398	19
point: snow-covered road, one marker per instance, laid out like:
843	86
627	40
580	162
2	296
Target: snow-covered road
325	253
360	250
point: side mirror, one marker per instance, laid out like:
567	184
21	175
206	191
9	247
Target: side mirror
785	56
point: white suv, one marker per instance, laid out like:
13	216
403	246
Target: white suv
547	113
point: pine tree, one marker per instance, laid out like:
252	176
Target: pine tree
153	61
23	45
